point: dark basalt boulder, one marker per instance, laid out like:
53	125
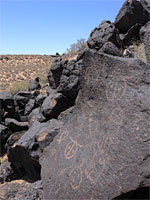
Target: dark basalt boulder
36	115
21	190
110	48
70	79
132	33
24	154
21	101
145	38
7	102
14	137
30	106
5	132
105	32
6	172
131	14
40	98
54	104
16	126
27	94
56	69
34	84
146	5
104	146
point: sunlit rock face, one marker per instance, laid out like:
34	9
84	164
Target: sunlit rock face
103	147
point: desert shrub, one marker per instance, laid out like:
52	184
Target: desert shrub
139	50
17	86
77	47
42	76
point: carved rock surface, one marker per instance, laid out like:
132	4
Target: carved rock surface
105	32
104	146
131	14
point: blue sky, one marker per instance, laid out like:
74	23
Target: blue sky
47	27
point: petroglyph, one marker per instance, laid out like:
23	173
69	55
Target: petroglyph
63	136
116	88
71	149
76	176
117	116
141	128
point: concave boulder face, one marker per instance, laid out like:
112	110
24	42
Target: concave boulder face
131	14
24	154
105	32
7	102
102	151
145	37
5	132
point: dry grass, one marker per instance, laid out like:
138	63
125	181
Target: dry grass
17	70
139	50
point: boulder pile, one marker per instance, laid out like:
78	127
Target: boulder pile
86	135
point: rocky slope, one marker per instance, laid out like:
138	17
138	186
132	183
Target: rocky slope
86	135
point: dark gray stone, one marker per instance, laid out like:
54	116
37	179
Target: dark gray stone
30	106
70	79
145	38
56	69
54	104
5	132
131	14
7	102
16	126
105	32
34	84
24	154
21	190
36	115
110	48
104	146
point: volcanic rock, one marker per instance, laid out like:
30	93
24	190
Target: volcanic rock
110	48
21	190
54	104
29	106
105	32
36	115
16	126
34	84
5	132
24	154
104	146
131	14
145	37
7	102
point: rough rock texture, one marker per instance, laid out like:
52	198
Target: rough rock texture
105	32
16	126
130	14
5	132
56	69
104	147
21	190
24	154
110	48
70	79
34	84
36	115
54	104
133	32
7	102
29	106
145	37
